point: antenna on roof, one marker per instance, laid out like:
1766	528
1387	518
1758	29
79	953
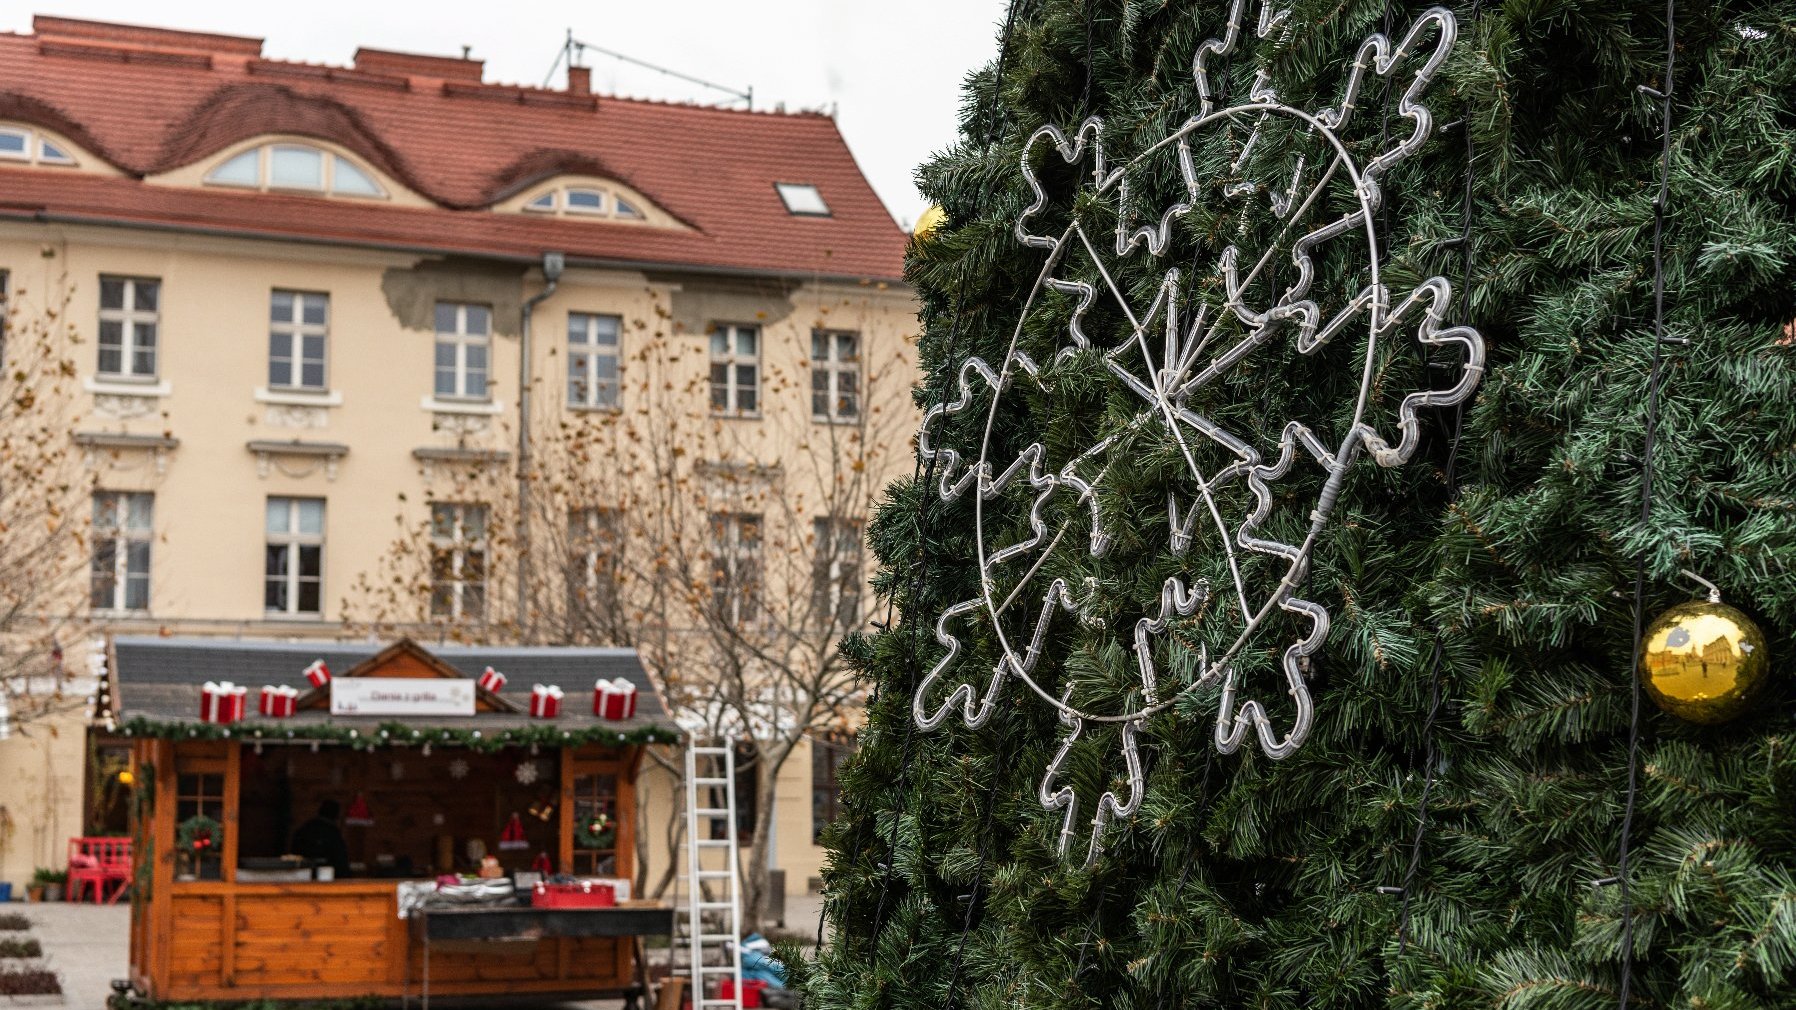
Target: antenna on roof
571	48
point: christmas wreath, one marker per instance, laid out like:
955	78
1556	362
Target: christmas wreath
199	835
595	831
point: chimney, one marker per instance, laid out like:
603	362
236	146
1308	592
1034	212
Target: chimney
579	80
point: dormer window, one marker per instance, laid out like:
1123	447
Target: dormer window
802	199
24	144
583	201
296	168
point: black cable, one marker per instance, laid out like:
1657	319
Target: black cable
1649	438
1450	474
972	897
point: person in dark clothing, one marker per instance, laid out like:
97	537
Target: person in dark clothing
320	838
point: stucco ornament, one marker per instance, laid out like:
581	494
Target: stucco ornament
1173	447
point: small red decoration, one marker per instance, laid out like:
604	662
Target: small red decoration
542	865
358	815
545	701
277	702
318	674
222	701
513	835
614	699
492	680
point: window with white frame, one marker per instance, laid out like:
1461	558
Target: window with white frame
595	539
122	532
32	147
592	360
298	327
836	570
129	318
464	338
458	554
735	369
736	566
835	375
802	199
293	572
583	201
295	167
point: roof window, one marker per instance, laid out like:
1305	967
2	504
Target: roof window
583	201
296	167
802	199
25	144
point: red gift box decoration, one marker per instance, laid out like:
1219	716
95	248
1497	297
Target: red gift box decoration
545	701
277	702
614	699
222	701
358	814
318	674
513	835
492	680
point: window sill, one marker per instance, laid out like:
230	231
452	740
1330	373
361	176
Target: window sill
282	617
488	407
104	385
736	415
848	420
299	397
591	408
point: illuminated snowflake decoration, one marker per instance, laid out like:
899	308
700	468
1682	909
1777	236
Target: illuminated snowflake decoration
1045	519
527	773
458	769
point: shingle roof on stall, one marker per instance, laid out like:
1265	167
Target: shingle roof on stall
159	679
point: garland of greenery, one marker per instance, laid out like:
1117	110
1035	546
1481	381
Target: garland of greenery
394	734
200	834
595	832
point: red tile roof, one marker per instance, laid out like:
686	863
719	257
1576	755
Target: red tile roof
149	100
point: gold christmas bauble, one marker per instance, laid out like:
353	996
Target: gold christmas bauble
1703	661
926	225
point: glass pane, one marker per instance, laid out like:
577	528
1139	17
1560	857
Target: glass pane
442	520
847	346
137	589
279	515
442	599
476	383
312	376
544	202
605	329
311	515
477	357
576	378
604	394
143	295
585	200
105	511
720	343
112	333
473	522
112	293
313	308
720	395
347	178
13	142
300	167
745	400
576	328
819	345
746	339
605	366
445	381
280	307
311	561
110	361
473	600
445	354
802	198
280	372
274	593
274	561
105	564
310	597
745	376
627	209
138	511
243	170
479	319
445	317
145	334
48	151
137	557
311	347
143	362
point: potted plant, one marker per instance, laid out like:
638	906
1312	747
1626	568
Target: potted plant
47	884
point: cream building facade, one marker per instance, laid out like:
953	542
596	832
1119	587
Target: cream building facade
304	409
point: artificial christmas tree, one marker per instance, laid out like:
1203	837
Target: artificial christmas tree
1268	596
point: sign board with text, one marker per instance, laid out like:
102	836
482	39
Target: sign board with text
401	696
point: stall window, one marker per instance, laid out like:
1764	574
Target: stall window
199	825
827	758
595	824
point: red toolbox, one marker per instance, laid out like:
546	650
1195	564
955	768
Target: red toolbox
584	894
751	991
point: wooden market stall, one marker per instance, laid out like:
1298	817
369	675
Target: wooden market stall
277	851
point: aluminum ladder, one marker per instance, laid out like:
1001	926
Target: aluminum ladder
709	922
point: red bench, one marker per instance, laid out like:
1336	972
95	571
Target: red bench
99	863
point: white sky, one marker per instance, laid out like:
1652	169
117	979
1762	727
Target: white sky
893	71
